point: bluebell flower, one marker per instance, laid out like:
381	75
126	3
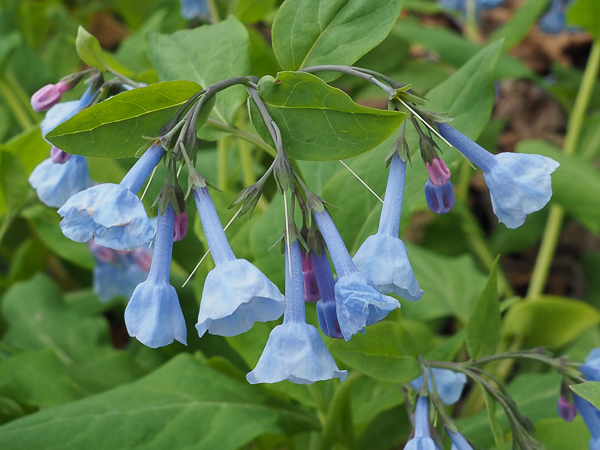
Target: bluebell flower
311	287
236	294
62	112
461	5
49	95
565	409
153	314
112	214
194	9
295	350
422	439
519	184
591	366
449	384
553	22
56	183
357	300
326	310
458	441
383	257
440	199
591	417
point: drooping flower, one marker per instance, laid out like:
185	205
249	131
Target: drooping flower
591	417
553	22
439	192
236	294
295	350
422	439
56	183
358	302
566	409
62	112
449	384
117	273
181	226
311	288
48	96
519	183
58	156
458	441
383	256
591	366
326	310
112	214
153	314
194	9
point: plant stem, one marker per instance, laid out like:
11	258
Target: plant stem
338	403
12	99
557	213
250	137
21	95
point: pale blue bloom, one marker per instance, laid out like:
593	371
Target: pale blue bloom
519	184
56	183
591	367
236	294
461	5
153	314
383	256
295	350
422	439
553	22
458	441
58	114
440	199
192	9
449	384
358	302
591	417
326	310
112	214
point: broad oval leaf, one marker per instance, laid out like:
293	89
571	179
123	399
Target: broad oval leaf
385	353
319	122
183	404
313	32
89	50
115	128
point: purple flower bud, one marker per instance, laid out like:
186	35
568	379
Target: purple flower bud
566	410
181	226
438	171
311	288
48	96
58	156
440	199
326	309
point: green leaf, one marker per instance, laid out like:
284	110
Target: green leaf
252	11
29	146
590	390
483	328
319	122
13	181
89	50
550	321
515	30
184	399
557	434
114	128
385	353
490	404
206	55
575	184
587	14
312	32
8	43
36	318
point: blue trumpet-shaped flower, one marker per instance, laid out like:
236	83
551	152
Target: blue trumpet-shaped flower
458	441
591	417
56	183
591	367
311	287
295	350
449	384
358	302
383	256
236	294
440	199
326	310
519	184
62	112
153	314
422	439
112	214
192	9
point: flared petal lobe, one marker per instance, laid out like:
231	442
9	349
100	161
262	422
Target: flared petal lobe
295	352
359	303
449	384
236	294
111	214
56	183
384	259
519	185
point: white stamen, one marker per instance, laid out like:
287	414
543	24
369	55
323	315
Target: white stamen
362	181
149	181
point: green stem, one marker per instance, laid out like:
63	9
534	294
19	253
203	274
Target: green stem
22	96
338	403
471	27
6	223
13	102
347	426
557	213
250	137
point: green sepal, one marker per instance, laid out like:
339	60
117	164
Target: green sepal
283	173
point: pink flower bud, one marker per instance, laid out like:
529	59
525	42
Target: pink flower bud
438	171
311	288
565	409
48	96
58	156
143	258
181	226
